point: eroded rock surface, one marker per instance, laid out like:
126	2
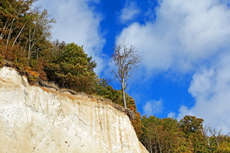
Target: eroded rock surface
36	119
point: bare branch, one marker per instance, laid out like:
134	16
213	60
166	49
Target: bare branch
19	34
9	34
126	59
116	75
3	30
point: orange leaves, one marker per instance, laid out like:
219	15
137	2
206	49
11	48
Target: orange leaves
1	61
165	135
137	124
33	75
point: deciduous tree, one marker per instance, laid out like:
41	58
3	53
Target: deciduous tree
126	59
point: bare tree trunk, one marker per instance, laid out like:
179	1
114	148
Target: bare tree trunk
29	47
209	145
25	47
37	55
123	93
217	142
3	30
18	35
216	134
9	35
126	61
151	149
207	138
160	147
155	146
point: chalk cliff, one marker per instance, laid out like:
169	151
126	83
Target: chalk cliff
36	119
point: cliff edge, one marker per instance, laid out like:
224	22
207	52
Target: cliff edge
41	120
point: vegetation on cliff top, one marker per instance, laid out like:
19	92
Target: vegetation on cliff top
25	41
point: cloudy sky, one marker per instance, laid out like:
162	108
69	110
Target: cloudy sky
185	47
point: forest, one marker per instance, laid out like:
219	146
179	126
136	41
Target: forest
25	42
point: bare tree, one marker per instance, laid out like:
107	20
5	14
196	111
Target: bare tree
38	30
211	135
217	135
206	134
126	60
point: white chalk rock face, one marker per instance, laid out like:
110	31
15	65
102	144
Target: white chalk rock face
40	120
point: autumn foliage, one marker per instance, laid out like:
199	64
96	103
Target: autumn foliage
187	135
25	43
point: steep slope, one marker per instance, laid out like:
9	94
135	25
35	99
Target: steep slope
36	119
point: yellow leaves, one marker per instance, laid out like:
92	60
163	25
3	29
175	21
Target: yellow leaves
224	147
33	75
1	61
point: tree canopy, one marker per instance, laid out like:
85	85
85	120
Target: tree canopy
25	44
186	135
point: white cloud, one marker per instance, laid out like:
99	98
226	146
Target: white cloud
153	107
129	12
185	35
211	90
190	36
172	115
79	23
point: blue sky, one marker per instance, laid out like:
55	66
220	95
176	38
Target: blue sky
184	44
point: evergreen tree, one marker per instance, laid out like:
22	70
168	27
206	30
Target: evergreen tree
73	70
